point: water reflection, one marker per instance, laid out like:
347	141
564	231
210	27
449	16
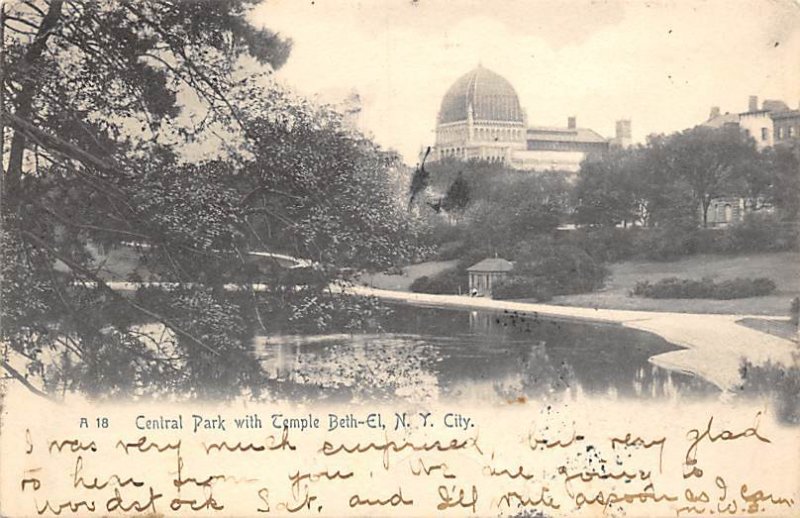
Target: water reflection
426	354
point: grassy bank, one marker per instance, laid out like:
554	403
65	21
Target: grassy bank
782	267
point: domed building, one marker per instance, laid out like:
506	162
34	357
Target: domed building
481	118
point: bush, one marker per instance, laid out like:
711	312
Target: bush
605	244
756	233
563	269
448	282
712	241
665	243
516	287
762	233
675	288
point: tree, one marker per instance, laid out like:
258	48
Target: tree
481	175
782	166
77	67
102	100
458	195
515	209
706	158
610	189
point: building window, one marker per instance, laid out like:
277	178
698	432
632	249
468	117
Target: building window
780	133
791	131
764	133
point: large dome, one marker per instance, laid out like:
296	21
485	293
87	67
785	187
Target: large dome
491	96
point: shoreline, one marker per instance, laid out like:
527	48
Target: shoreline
713	345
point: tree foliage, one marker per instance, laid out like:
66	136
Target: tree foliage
672	179
782	169
610	191
458	195
102	102
706	159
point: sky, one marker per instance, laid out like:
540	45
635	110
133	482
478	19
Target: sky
663	64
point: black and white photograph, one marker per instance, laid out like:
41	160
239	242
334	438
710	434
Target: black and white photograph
547	204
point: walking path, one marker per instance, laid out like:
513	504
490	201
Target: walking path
715	345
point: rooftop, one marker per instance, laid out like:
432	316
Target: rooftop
555	134
785	115
495	264
722	120
488	95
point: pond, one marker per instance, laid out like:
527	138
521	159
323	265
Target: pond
425	354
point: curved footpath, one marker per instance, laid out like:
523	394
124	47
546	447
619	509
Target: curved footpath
715	345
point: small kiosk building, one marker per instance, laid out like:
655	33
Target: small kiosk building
484	275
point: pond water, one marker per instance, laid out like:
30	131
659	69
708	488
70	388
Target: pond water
424	354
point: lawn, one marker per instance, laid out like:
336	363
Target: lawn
403	282
783	268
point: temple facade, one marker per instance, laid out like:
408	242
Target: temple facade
481	118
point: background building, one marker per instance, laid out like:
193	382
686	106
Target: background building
622	138
772	124
481	118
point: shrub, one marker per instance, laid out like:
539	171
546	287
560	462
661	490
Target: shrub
516	287
447	282
762	233
675	288
564	269
604	244
665	243
560	268
712	241
756	233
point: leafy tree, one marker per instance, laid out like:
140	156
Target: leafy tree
610	189
479	174
668	199
102	101
752	179
458	195
782	164
706	158
516	210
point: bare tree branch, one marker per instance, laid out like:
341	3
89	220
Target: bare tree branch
22	21
22	379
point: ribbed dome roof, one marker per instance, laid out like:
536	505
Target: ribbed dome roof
491	96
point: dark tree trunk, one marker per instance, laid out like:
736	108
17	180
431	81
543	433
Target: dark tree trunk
24	101
705	203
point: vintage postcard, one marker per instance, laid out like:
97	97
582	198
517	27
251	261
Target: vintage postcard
529	258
